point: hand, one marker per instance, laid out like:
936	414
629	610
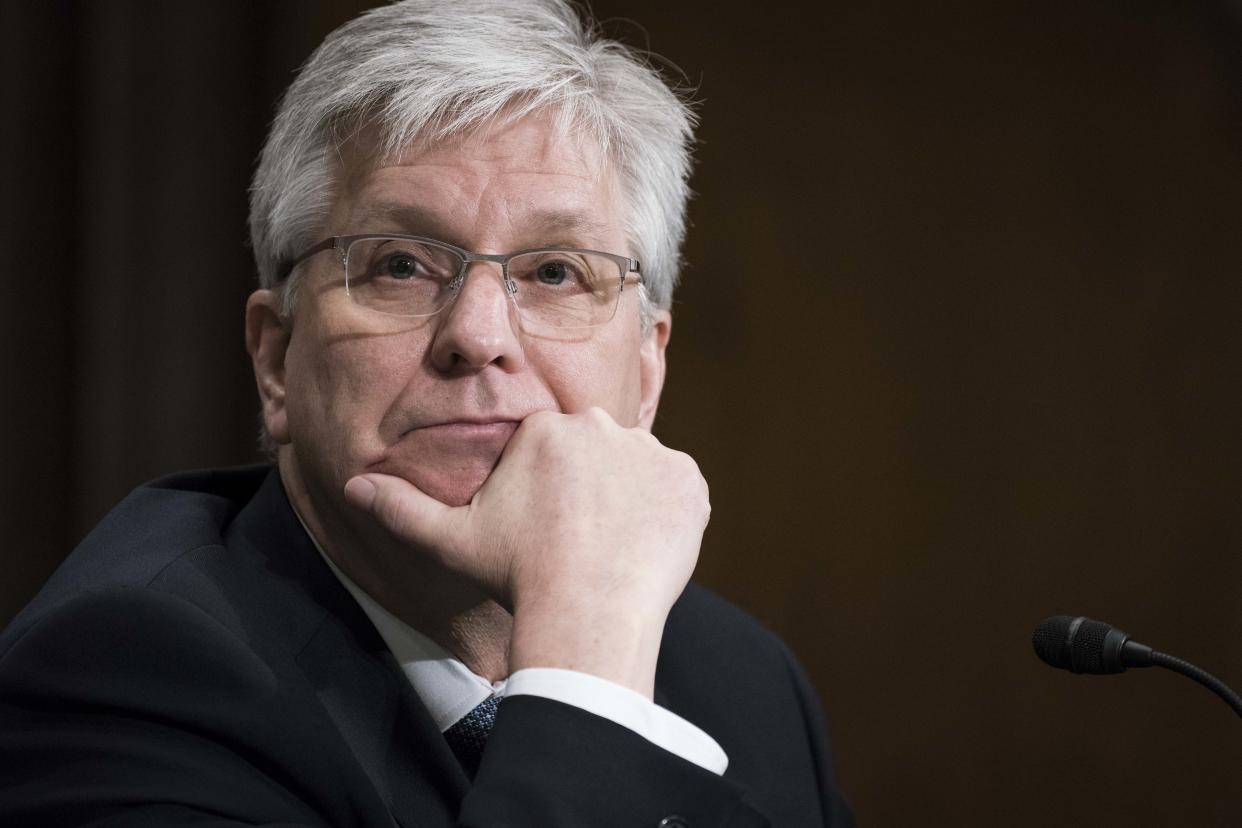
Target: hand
588	531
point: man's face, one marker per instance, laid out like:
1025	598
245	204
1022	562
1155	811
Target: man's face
347	390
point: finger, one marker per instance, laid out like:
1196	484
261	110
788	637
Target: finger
401	508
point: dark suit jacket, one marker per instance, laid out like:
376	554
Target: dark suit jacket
195	661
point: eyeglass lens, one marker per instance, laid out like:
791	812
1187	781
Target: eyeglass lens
554	288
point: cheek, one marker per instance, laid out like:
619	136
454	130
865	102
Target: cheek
594	375
339	390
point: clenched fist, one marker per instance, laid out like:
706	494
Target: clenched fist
587	530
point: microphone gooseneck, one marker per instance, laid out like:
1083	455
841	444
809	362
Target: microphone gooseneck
1200	675
1083	645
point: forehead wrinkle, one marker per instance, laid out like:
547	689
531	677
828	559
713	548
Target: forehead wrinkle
566	222
497	167
406	218
542	225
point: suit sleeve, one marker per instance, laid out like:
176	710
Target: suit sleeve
552	764
548	764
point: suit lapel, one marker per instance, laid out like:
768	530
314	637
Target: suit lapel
357	680
659	696
385	724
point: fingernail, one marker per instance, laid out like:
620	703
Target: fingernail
360	492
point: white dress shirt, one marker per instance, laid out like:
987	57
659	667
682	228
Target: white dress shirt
450	690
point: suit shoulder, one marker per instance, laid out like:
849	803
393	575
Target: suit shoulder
130	642
164	518
707	638
144	536
709	620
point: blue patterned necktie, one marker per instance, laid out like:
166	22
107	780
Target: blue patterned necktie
468	735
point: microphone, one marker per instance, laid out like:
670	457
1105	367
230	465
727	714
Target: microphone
1082	645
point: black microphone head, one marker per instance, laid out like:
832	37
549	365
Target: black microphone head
1079	644
1051	641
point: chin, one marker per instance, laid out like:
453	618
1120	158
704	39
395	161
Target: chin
454	486
454	492
448	463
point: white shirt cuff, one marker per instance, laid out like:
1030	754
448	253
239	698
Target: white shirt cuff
623	706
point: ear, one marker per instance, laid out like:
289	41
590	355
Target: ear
651	368
267	340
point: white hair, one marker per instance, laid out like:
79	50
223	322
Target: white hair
426	70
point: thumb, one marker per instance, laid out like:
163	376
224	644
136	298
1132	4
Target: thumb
402	508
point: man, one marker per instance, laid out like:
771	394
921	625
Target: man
461	594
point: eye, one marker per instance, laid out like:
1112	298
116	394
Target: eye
553	273
399	266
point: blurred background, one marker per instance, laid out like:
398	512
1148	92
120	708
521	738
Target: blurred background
957	348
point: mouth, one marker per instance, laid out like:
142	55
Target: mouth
459	438
489	430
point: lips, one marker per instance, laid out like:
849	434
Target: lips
454	442
466	430
448	460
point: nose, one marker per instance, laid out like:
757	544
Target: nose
480	326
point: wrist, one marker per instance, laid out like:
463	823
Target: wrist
612	641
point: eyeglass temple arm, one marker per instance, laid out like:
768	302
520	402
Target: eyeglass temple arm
287	267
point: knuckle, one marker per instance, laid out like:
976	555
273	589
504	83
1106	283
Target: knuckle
687	464
539	419
597	416
539	425
692	483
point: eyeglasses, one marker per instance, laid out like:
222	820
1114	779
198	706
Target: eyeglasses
412	276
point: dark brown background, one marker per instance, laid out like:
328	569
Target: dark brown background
958	348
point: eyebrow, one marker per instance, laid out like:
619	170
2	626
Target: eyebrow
564	228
